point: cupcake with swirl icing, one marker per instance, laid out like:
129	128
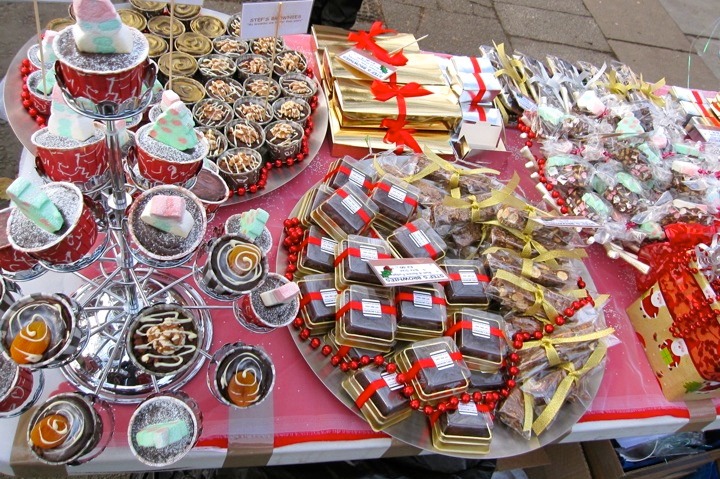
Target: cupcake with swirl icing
234	266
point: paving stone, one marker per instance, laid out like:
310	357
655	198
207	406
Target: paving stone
707	52
655	63
641	21
447	34
576	7
457	6
557	27
402	18
484	11
540	49
694	17
484	3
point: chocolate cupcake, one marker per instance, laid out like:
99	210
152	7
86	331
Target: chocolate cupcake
289	61
233	267
158	45
264	46
162	26
252	64
190	91
291	109
245	133
212	113
231	46
226	89
284	138
255	109
244	375
216	140
252	312
209	26
132	18
257	85
148	8
183	65
193	44
215	66
240	167
234	25
186	13
163	339
298	85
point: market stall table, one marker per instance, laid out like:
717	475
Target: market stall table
303	422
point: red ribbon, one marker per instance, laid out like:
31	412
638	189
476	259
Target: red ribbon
309	297
357	306
425	363
369	391
465	324
346	171
310	240
410	298
481	408
397	133
366	41
428	246
355	253
386	188
361	212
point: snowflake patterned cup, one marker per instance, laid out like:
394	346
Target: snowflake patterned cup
71	242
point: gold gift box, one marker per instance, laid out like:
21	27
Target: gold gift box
436	111
326	37
423	68
358	141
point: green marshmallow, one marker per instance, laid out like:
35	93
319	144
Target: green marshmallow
32	201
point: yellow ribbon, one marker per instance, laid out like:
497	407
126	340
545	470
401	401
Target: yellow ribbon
614	85
469	201
528	241
511	67
438	163
528	419
563	390
649	89
537	290
549	343
503	111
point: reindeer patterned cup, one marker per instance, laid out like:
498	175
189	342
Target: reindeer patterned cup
69	244
66	159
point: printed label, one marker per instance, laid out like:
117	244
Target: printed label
480	328
391	381
366	64
566	222
467	408
327	245
419	238
422	299
367	254
329	296
351	204
398	272
397	194
468	276
441	359
357	177
371	308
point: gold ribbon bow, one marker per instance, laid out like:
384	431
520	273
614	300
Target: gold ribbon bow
563	390
550	257
469	201
511	67
528	241
549	343
528	417
614	85
538	291
438	163
649	89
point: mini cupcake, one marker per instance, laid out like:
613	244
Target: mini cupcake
289	61
284	138
148	8
234	25
12	260
240	167
266	45
209	26
217	142
259	315
132	18
163	339
245	133
252	64
183	65
225	89
186	13
162	26
59	24
233	267
261	86
99	57
18	388
254	109
190	91
291	109
193	44
298	85
241	375
40	89
230	46
212	113
212	191
157	45
215	66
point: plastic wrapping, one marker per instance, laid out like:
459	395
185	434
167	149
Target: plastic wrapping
540	273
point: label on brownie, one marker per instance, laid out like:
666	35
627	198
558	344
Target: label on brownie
371	308
391	381
419	238
367	254
327	245
329	296
351	204
441	359
480	328
422	299
406	271
397	194
468	276
357	177
467	408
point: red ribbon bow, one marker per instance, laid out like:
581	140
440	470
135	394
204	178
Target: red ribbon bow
365	41
396	131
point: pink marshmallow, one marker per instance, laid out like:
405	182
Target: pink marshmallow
165	206
95	11
283	294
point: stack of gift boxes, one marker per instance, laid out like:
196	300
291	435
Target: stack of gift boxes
701	110
424	101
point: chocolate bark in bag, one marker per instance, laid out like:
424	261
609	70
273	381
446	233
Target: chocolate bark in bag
537	272
524	296
512	413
